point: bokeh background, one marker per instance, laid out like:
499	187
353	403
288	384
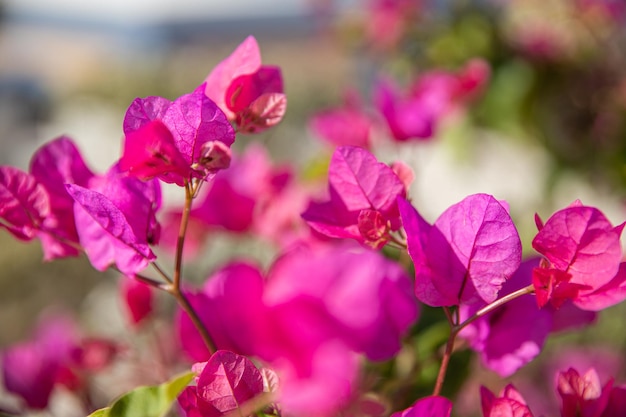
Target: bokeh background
549	128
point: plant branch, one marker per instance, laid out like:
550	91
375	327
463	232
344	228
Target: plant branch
499	302
195	319
174	287
455	329
182	231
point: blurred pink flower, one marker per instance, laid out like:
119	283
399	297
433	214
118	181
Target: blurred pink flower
56	354
416	112
346	125
250	94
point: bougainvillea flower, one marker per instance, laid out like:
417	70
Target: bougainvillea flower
416	113
137	298
433	406
226	381
582	253
509	403
362	199
347	125
367	298
407	118
250	94
56	354
309	331
583	395
115	219
30	368
466	255
234	196
175	140
55	164
388	20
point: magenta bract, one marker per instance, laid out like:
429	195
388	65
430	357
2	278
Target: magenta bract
509	403
233	317
417	112
150	152
357	182
138	299
107	235
248	93
583	395
582	249
191	121
607	295
363	297
55	164
32	368
347	125
466	256
406	118
244	60
265	111
24	203
225	383
433	406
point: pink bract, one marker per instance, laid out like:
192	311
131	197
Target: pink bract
24	203
192	123
244	60
416	112
509	403
137	298
466	256
55	355
234	317
583	395
248	93
116	222
433	406
583	254
364	297
225	383
357	182
150	152
346	125
252	196
55	164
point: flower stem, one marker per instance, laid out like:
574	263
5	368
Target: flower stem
174	287
455	329
195	319
182	231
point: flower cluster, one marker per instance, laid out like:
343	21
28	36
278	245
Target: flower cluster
325	328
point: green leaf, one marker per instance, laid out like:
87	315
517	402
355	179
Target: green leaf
152	401
103	412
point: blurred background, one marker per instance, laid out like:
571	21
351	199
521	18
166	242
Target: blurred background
549	127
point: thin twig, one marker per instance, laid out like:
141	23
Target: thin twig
455	329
